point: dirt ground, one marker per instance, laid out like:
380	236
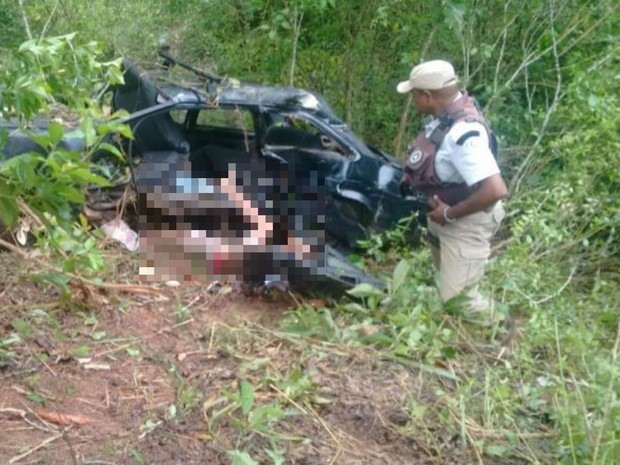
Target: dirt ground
118	377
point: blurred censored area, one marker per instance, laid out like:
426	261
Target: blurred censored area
221	214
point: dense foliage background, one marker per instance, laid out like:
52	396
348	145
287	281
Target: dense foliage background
546	72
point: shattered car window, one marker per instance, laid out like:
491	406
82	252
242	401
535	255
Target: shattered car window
179	116
225	118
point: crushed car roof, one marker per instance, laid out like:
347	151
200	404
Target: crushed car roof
186	89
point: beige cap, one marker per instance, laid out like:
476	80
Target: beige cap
430	75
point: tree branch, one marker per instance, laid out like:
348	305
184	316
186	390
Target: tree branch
49	20
404	116
523	168
24	19
297	24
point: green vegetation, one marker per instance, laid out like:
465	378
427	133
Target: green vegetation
547	75
57	79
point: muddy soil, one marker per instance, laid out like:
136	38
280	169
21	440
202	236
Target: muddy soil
145	378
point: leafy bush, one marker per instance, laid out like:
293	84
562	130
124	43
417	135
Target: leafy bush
48	187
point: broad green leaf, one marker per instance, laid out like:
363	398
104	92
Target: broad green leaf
84	176
58	280
115	75
400	274
264	415
56	132
98	335
246	396
238	457
66	192
276	455
22	327
496	450
254	365
35	397
113	150
8	210
120	114
88	129
365	290
43	140
26	46
132	352
354	307
11	339
81	351
4	136
38	90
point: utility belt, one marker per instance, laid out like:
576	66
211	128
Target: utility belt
450	194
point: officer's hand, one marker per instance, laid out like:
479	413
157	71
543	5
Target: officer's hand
437	206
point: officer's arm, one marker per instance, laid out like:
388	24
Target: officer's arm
489	191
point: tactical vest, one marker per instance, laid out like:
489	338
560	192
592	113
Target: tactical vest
419	167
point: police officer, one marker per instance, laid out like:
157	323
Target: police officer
452	162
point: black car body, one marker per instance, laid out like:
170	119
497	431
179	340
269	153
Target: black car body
278	125
215	122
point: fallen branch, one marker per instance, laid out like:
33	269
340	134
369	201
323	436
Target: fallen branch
559	291
131	288
23	415
14	412
502	244
139	340
62	419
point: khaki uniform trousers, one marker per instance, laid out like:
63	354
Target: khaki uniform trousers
464	247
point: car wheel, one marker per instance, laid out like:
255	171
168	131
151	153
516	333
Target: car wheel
350	221
354	212
337	243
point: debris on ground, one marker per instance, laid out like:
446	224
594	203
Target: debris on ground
120	231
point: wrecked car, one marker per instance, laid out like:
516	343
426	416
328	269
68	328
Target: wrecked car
294	151
298	160
214	119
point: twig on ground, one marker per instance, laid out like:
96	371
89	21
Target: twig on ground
502	434
501	244
142	339
458	328
8	286
40	360
211	337
559	291
13	411
131	288
19	373
49	426
465	424
44	443
291	401
336	455
324	425
26	305
117	349
65	436
97	462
